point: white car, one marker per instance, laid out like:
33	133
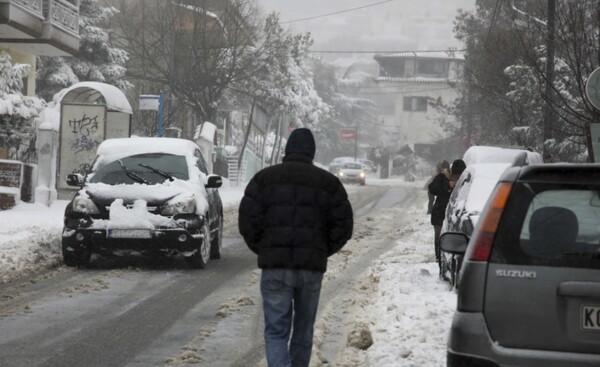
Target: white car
352	172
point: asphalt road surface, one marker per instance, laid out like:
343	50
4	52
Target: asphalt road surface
135	313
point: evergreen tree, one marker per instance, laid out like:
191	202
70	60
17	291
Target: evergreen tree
17	112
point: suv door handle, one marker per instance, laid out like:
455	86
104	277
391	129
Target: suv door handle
579	289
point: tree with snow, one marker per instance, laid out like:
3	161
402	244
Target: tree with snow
282	83
96	60
17	111
510	95
346	112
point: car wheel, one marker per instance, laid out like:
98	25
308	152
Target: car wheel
453	272
216	243
445	268
457	266
199	259
73	257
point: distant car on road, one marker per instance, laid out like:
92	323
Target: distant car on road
335	164
352	172
529	293
147	196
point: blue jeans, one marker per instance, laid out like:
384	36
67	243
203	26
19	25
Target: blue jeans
290	300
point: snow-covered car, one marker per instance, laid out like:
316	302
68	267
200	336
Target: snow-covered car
145	196
485	165
352	172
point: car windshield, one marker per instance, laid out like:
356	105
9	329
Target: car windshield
123	171
352	165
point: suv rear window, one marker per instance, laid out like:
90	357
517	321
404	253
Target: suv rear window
550	225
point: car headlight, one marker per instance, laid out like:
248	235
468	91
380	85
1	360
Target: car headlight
362	175
179	206
85	206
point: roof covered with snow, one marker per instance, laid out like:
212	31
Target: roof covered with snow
447	55
415	79
95	93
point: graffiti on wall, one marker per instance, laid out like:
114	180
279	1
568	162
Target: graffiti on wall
82	130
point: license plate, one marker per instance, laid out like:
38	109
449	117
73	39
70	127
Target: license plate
590	318
128	233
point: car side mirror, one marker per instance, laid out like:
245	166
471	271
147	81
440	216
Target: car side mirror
214	182
74	179
454	243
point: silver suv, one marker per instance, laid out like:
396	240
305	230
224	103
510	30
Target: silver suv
529	293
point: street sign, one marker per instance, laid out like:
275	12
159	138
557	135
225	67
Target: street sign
592	88
149	102
348	133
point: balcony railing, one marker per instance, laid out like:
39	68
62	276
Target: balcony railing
33	6
63	14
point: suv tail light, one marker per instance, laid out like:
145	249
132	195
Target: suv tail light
486	231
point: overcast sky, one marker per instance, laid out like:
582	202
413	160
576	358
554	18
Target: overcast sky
390	26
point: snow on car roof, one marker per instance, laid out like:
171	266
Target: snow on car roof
124	147
487	154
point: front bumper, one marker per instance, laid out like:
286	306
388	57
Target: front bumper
356	179
137	241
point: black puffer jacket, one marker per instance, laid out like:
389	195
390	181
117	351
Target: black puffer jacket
294	215
439	187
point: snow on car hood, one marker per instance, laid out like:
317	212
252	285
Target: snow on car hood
122	217
141	195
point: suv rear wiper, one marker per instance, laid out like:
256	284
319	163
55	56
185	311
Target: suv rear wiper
132	175
156	170
592	254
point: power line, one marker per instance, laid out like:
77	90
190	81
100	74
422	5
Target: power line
338	12
492	22
379	52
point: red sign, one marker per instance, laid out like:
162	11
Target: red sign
348	133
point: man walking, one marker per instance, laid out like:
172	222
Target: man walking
293	215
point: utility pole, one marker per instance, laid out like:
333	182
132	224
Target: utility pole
549	116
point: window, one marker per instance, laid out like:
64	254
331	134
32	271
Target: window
432	67
200	162
415	104
550	225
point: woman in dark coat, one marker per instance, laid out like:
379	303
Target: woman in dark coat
441	187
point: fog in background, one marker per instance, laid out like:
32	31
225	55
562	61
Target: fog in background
396	25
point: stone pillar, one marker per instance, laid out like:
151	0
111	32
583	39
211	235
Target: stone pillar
47	139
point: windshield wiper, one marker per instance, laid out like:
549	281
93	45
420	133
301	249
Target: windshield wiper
156	170
593	254
132	175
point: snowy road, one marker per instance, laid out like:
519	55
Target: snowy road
140	315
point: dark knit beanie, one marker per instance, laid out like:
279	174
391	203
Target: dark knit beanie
301	141
458	166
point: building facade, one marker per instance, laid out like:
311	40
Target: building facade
406	90
31	28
